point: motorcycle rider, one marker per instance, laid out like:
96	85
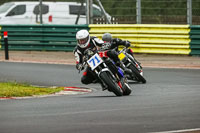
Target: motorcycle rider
85	41
116	42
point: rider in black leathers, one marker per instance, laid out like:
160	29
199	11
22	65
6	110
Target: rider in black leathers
116	42
85	41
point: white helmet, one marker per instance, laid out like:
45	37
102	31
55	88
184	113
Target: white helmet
83	38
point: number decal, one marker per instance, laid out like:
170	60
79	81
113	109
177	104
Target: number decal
97	59
94	61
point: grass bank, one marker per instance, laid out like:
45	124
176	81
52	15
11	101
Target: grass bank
22	90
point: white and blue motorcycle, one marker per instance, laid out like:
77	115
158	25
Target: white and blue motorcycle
116	83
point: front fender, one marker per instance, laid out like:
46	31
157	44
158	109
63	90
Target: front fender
106	70
103	70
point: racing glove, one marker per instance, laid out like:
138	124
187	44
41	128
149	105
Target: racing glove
127	44
79	66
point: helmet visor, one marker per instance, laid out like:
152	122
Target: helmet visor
83	41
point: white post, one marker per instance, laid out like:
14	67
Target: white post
189	12
40	9
138	12
91	11
87	12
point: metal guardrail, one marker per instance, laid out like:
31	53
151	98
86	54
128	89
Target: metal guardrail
41	37
145	38
149	38
195	40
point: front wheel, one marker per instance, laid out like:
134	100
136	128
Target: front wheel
139	77
127	90
107	78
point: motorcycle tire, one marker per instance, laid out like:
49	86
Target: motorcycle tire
107	78
139	77
127	90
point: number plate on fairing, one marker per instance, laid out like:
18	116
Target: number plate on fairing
94	61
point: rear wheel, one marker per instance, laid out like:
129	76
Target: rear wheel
107	78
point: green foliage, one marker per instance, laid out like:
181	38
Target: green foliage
149	7
162	10
120	7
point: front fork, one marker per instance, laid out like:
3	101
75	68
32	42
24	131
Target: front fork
132	59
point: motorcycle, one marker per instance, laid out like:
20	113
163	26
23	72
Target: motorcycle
111	81
129	62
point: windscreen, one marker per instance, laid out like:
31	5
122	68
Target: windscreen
5	7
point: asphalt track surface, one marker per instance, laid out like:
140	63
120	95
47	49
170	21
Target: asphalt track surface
170	100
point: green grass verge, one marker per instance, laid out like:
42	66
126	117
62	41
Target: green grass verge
22	90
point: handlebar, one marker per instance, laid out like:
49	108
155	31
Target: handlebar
124	49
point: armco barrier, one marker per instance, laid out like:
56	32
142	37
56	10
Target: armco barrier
145	38
195	40
41	37
149	38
